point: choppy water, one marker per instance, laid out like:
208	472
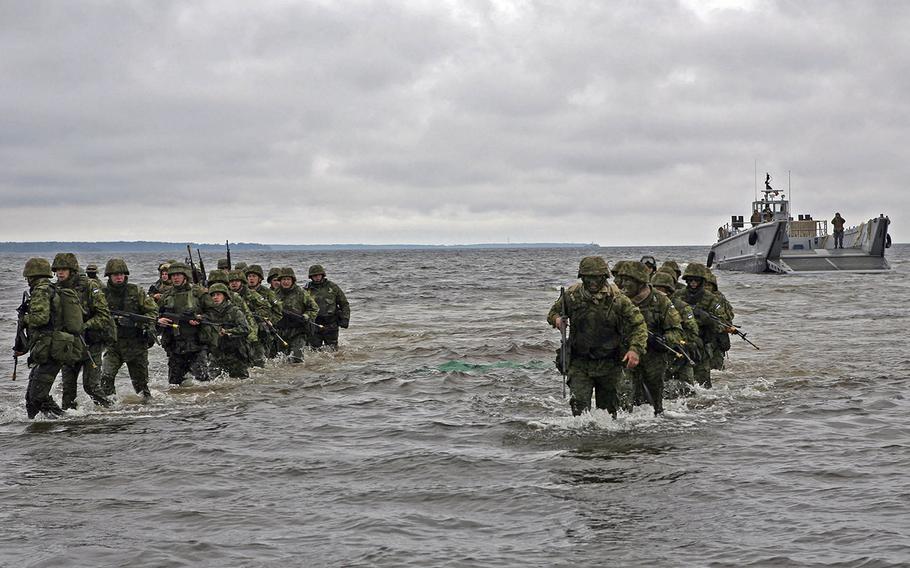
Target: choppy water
438	437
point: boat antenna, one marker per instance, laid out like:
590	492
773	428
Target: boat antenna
790	193
755	178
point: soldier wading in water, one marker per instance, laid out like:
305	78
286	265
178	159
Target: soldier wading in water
607	332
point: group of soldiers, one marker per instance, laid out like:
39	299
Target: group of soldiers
226	323
628	339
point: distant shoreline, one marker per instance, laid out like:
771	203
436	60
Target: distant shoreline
163	246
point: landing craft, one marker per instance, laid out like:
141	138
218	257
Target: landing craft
776	242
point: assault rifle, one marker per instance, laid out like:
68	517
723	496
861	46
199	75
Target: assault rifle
228	247
727	325
187	318
299	318
196	279
564	349
662	341
205	275
20	344
271	328
138	318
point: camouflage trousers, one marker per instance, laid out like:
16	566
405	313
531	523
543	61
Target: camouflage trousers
296	344
257	351
327	337
648	381
91	378
136	357
600	377
192	362
235	365
38	394
680	374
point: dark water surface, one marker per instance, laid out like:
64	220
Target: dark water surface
438	436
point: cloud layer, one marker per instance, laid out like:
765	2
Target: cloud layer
444	122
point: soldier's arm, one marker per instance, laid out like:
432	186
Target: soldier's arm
672	325
344	308
310	307
555	310
101	317
147	305
39	308
634	328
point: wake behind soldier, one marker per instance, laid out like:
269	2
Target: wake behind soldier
664	325
100	331
334	310
134	336
606	332
53	323
300	311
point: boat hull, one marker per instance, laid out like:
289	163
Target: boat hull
749	251
773	250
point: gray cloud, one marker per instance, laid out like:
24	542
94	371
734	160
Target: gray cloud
444	121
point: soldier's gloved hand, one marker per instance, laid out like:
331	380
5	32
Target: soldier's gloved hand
631	359
343	323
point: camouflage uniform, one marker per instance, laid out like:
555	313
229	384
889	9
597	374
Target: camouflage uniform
602	324
187	346
259	309
295	300
722	341
232	354
662	320
334	310
680	369
268	335
704	304
672	268
133	338
43	324
161	285
100	331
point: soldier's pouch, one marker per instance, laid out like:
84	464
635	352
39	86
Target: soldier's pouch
66	348
40	352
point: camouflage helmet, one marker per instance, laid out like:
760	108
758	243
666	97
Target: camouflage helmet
37	267
65	260
672	265
710	278
240	266
180	268
219	287
695	270
287	272
164	267
663	279
236	275
593	266
116	266
632	269
223	264
254	269
218	276
316	269
91	269
273	273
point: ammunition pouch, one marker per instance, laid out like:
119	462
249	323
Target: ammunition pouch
66	348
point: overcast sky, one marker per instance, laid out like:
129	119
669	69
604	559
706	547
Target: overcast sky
622	123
